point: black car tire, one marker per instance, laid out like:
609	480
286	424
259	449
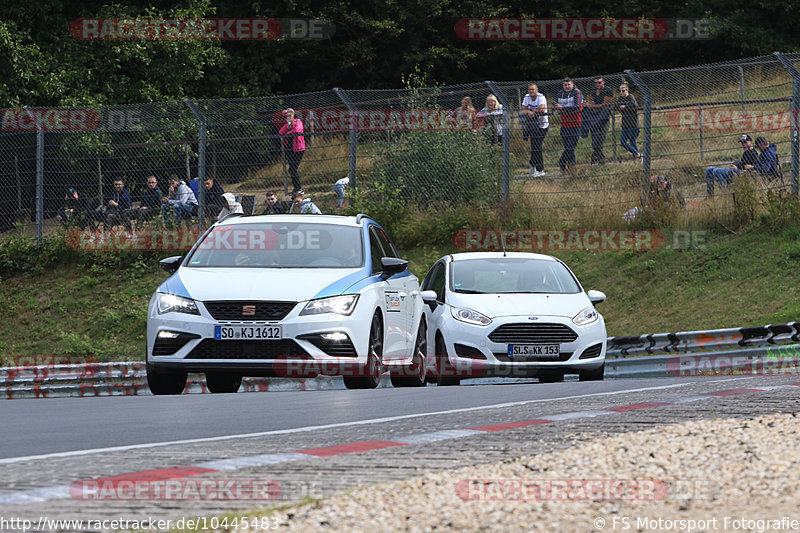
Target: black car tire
223	382
373	370
164	382
419	357
446	371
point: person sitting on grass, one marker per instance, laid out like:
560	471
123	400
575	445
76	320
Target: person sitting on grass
724	176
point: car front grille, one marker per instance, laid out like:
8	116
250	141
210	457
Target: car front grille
249	310
533	334
248	349
503	356
592	352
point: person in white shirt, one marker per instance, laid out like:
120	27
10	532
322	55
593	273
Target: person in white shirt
231	206
535	124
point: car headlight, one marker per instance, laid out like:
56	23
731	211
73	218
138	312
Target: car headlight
340	305
171	303
469	316
587	316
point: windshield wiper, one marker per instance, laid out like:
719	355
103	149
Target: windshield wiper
469	291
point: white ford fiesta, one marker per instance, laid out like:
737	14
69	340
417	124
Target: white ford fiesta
510	315
287	295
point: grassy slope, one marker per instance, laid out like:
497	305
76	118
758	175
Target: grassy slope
739	280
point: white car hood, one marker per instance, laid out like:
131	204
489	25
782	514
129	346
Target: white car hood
290	284
499	305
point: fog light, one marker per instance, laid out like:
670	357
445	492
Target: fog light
336	336
168	335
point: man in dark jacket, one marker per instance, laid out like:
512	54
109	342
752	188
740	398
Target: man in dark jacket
569	104
724	176
214	200
274	207
75	209
768	164
150	204
117	204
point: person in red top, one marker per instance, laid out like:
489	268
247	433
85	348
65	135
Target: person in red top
569	103
295	144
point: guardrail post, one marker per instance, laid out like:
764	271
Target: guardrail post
647	127
795	135
39	182
201	162
506	138
353	133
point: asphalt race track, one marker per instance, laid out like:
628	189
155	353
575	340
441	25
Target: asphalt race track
317	443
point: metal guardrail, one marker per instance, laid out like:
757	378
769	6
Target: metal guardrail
772	349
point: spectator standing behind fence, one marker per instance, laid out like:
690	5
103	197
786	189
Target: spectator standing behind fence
295	145
76	209
629	108
467	113
150	204
569	103
179	203
338	188
724	176
117	205
214	200
493	115
274	207
535	124
595	118
303	205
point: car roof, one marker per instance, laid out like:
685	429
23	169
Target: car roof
308	219
465	256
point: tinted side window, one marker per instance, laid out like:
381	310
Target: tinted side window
375	251
435	281
388	247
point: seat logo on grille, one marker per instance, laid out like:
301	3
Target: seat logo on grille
248	310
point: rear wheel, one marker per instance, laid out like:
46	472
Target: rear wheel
163	382
446	371
593	375
373	370
223	382
417	362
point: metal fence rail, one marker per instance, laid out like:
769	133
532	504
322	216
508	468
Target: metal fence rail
759	350
430	144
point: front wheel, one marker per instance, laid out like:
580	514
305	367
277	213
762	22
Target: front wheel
593	375
223	382
418	361
445	370
164	382
373	370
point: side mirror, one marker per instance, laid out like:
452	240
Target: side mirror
596	296
392	266
428	296
171	264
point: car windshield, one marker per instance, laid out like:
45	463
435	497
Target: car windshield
280	245
512	275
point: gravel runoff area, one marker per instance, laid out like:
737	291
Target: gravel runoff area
709	475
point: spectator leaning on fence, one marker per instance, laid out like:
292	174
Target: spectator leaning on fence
535	124
295	145
724	176
493	115
629	108
179	204
569	103
595	118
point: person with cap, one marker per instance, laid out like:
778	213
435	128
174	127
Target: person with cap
724	176
75	210
295	144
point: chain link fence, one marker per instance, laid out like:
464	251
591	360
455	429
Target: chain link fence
428	145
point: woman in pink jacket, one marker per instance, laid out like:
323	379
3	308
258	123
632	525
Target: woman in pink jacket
295	144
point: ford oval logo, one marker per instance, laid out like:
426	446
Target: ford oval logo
533	318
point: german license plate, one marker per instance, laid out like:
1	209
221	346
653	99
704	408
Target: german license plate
534	351
232	333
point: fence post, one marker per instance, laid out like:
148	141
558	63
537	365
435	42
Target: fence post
39	182
795	123
647	127
342	95
201	162
506	137
700	124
